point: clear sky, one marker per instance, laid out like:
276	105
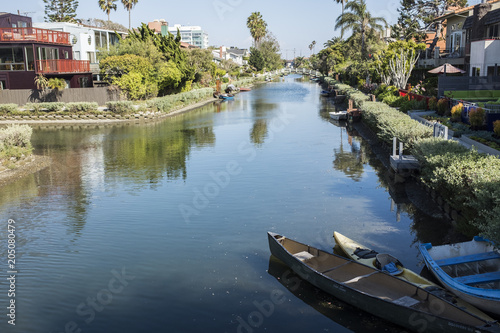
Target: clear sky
294	23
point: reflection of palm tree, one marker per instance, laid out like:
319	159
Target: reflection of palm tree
259	132
350	163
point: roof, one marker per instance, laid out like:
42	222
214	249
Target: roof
237	51
468	22
492	17
462	10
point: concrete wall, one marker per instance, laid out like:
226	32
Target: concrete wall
101	95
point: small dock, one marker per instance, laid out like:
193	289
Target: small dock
400	163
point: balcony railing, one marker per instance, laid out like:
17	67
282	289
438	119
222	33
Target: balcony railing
34	35
60	66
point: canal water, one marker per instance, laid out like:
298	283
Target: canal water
162	226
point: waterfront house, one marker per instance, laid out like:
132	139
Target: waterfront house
26	51
470	38
238	56
86	41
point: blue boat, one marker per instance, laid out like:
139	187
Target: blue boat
470	270
226	97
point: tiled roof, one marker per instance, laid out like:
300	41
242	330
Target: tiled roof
492	17
468	22
462	10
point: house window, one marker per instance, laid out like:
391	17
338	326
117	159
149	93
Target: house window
91	57
83	82
76	55
491	71
11	59
3	84
97	39
493	31
30	58
476	71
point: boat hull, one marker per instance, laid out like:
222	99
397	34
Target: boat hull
395	312
485	299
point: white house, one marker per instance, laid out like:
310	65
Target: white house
236	55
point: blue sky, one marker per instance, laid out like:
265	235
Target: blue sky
295	23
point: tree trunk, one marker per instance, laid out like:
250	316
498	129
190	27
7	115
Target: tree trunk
439	29
342	29
129	21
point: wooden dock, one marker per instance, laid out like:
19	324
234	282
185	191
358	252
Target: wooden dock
400	163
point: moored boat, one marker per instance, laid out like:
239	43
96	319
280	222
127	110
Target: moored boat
371	290
226	96
340	115
470	270
245	89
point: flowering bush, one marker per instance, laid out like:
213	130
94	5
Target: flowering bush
456	112
418	89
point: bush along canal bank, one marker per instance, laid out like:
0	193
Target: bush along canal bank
119	111
16	158
464	182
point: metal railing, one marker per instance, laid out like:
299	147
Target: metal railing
62	66
34	35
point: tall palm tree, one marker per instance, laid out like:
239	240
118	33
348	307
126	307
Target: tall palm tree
343	2
129	4
257	26
358	19
107	6
312	45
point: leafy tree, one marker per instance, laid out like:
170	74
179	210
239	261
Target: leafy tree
135	75
424	12
359	20
256	60
300	62
107	6
98	23
398	61
408	26
201	61
129	4
257	26
269	48
60	10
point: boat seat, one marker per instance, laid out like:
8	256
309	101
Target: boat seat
468	258
478	278
303	256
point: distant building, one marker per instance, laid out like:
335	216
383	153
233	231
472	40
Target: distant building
238	56
159	26
193	35
26	51
86	40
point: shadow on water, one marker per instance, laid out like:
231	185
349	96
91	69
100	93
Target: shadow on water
341	313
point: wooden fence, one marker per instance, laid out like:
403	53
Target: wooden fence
101	95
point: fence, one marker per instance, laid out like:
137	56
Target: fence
101	95
446	83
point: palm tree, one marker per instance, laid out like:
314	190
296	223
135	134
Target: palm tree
107	6
358	19
311	47
129	4
343	2
257	26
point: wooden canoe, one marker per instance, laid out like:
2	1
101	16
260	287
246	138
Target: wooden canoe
380	294
470	270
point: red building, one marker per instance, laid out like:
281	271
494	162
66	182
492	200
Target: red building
26	52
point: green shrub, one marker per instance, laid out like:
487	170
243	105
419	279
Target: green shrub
476	117
8	108
496	127
82	107
390	100
467	180
443	107
172	102
121	107
15	136
433	103
46	107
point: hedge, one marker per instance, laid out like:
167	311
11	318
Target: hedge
15	141
172	102
467	180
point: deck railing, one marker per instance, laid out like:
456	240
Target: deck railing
34	35
62	66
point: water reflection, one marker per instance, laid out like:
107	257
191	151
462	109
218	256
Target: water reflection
350	161
341	313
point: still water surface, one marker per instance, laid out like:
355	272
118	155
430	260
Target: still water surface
161	226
